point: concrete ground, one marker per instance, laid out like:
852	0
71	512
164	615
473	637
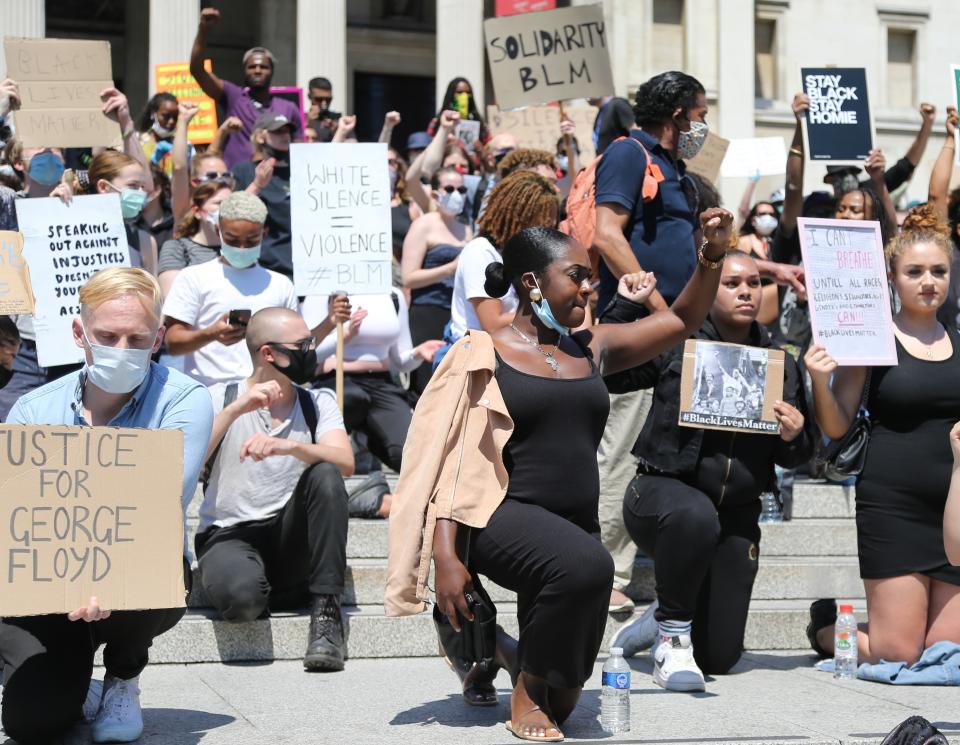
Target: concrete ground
773	698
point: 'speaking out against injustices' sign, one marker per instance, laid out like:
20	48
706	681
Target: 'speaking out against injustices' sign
550	56
838	126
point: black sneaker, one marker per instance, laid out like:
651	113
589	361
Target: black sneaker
366	499
823	613
326	645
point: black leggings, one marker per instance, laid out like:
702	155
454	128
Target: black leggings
426	322
562	575
48	663
280	561
705	562
378	407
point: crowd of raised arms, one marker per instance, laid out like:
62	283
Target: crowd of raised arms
523	380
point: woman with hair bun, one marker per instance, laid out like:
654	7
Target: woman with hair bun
913	594
502	480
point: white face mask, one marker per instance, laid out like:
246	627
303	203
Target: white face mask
764	224
116	370
451	203
161	132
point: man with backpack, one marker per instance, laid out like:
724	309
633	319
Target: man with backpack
273	523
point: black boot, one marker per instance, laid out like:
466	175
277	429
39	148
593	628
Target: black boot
326	645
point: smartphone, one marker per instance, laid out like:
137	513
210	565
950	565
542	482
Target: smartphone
239	317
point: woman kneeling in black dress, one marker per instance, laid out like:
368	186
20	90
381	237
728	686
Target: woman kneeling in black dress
537	390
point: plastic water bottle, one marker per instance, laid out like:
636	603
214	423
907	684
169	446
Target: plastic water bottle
845	644
771	512
615	694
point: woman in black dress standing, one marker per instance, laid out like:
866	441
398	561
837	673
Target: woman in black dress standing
913	594
543	539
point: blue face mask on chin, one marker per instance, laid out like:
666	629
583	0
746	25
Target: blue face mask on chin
543	311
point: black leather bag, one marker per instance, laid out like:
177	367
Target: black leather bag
915	731
844	458
477	640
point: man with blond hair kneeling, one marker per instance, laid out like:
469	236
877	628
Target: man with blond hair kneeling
48	660
273	524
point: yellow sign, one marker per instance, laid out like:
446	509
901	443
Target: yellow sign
175	78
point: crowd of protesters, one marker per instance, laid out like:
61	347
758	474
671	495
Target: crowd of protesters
525	384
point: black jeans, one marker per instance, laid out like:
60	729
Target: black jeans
48	663
279	562
426	322
705	562
378	407
562	575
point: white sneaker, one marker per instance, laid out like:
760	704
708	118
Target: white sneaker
674	667
120	718
91	707
638	635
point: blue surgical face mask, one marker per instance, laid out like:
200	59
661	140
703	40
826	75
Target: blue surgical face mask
545	314
46	168
240	258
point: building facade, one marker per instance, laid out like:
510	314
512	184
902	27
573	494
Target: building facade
400	54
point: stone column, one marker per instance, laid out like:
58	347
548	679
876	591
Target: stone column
322	48
460	47
173	24
735	61
278	33
26	18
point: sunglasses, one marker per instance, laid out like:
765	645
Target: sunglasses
450	189
304	345
224	178
322	100
501	154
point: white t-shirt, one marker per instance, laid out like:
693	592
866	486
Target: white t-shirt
239	492
203	292
468	283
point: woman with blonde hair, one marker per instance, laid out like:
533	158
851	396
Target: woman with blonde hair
913	594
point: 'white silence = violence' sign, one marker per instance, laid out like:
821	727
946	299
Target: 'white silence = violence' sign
342	237
65	244
846	278
90	511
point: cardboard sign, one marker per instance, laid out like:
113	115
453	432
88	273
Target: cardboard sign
512	7
847	290
342	237
730	387
175	78
16	291
710	158
584	117
60	82
549	56
468	132
838	127
755	156
64	245
955	87
539	127
90	511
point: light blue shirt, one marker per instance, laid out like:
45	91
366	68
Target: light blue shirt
166	399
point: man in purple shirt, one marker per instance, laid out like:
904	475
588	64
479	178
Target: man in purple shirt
246	103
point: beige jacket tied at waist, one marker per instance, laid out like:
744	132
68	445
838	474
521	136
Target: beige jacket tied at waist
452	466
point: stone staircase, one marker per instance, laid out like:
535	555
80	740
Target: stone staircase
811	556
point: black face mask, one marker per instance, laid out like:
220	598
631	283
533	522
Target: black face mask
303	364
5	375
271	152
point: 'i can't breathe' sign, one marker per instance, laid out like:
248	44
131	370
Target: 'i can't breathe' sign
838	126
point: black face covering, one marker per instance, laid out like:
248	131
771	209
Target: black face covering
303	364
271	152
5	375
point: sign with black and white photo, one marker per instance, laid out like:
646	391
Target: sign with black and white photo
838	127
550	56
730	387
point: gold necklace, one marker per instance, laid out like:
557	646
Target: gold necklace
550	359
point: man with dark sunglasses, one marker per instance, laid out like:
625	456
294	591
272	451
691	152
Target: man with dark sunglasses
273	523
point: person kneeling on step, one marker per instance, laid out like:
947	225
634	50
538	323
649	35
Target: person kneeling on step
273	524
694	504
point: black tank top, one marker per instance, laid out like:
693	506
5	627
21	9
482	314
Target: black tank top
551	457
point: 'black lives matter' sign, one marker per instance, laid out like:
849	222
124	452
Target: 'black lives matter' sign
838	126
554	55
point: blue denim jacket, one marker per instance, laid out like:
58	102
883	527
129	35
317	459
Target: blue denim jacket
166	399
939	665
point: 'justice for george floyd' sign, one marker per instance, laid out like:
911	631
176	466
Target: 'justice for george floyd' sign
838	126
550	56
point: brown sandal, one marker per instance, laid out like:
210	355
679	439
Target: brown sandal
517	729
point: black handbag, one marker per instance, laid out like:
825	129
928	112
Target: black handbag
915	731
844	458
476	643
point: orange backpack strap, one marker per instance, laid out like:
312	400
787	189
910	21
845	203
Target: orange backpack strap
653	175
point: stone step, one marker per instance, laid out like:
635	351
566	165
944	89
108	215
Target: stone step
778	578
198	637
820	499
